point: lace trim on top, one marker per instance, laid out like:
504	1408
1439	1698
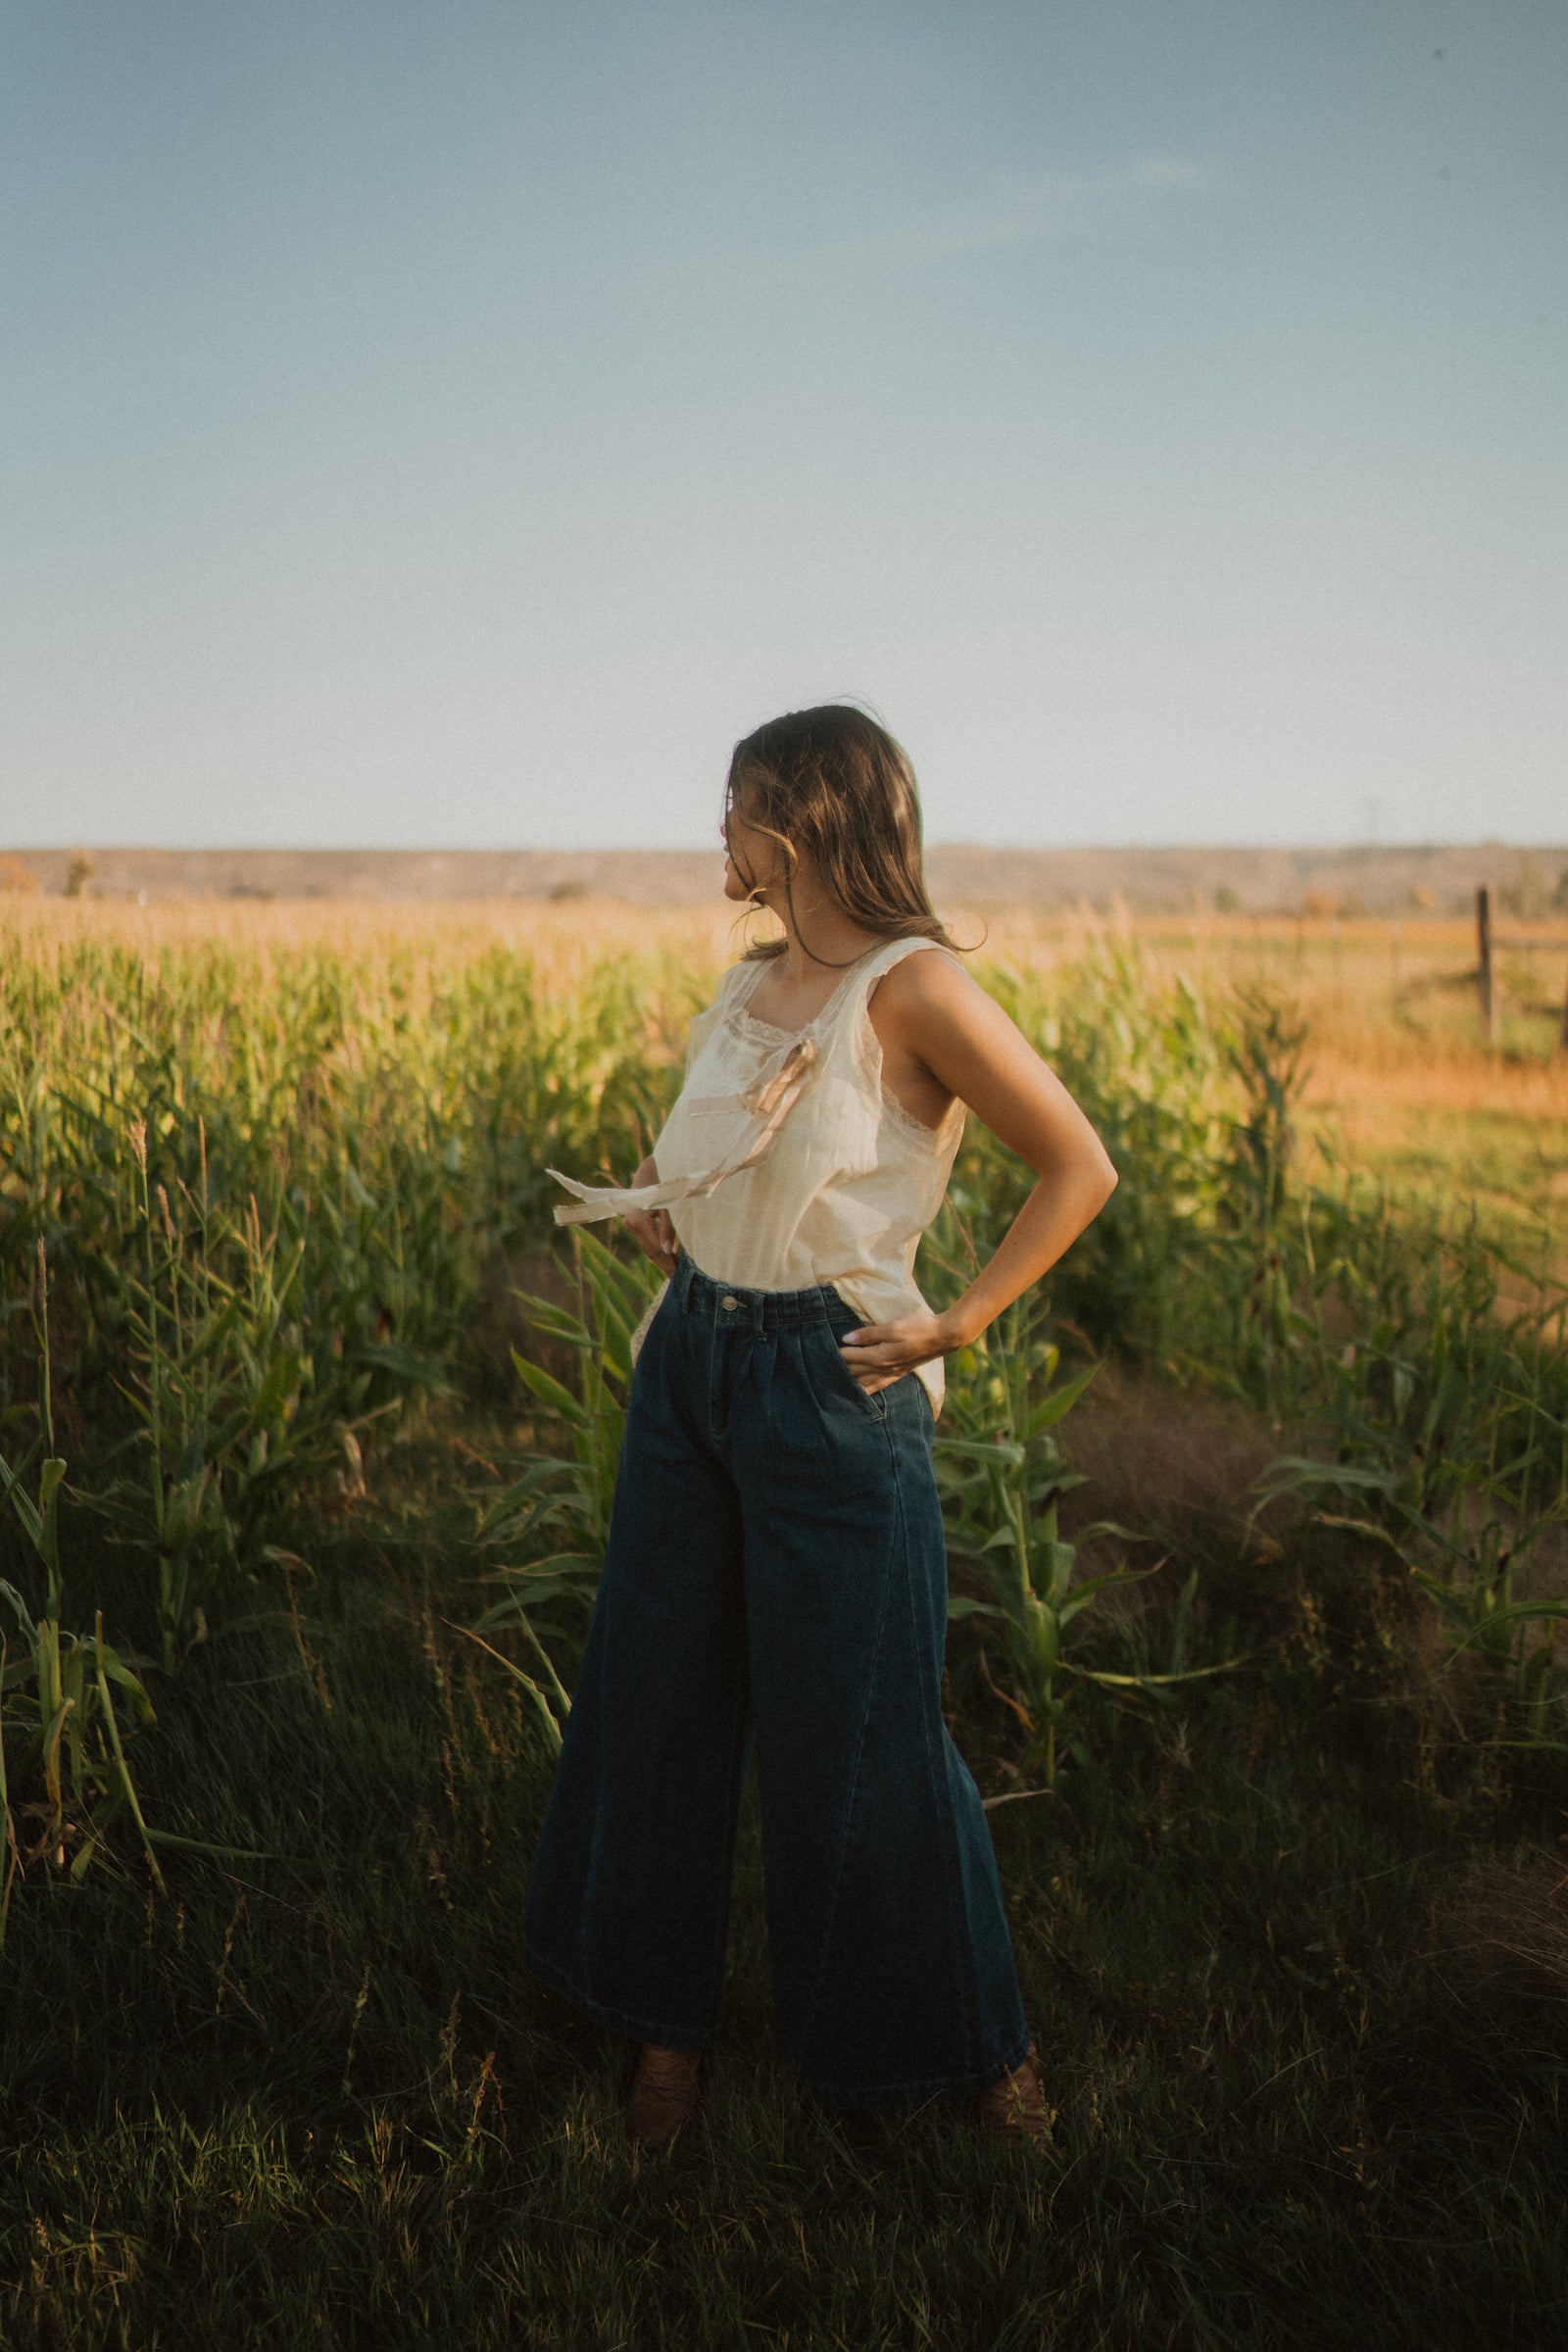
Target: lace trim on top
916	1130
739	1019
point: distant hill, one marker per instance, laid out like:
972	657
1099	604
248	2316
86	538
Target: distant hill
1441	878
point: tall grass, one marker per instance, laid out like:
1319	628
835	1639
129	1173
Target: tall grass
275	1189
1290	1934
549	1529
56	1699
269	1193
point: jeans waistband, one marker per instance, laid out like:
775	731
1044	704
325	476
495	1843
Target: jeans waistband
726	1304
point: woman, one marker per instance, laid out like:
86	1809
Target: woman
777	1576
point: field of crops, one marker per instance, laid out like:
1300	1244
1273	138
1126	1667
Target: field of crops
1259	1559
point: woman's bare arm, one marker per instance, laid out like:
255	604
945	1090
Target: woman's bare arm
652	1226
942	1035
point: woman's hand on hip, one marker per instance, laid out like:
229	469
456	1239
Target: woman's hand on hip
879	1354
651	1227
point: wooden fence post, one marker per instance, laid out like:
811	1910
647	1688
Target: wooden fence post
1486	979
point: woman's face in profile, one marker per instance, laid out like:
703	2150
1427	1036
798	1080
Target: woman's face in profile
753	860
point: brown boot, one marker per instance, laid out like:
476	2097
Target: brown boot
664	2093
1015	2107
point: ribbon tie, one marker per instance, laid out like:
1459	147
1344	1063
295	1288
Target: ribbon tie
769	1101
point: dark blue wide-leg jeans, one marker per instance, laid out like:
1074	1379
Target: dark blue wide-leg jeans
776	1574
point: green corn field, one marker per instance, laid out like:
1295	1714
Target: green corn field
307	1432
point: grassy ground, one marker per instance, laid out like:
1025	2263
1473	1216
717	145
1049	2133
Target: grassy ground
1297	1984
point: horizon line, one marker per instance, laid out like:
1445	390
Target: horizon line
634	849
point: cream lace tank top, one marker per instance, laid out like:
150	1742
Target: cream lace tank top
785	1164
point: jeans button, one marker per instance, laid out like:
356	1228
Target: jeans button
729	1304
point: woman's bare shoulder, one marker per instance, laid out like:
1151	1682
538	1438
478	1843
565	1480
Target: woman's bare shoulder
930	983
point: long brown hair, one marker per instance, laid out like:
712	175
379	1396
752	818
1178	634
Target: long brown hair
832	782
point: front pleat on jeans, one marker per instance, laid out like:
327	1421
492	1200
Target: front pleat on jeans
796	1397
937	1742
847	1837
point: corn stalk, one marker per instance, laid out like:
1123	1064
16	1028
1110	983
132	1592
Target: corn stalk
554	1520
1002	1478
55	1692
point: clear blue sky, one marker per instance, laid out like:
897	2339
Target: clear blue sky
453	422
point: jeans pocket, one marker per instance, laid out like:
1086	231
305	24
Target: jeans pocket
877	1406
640	1335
